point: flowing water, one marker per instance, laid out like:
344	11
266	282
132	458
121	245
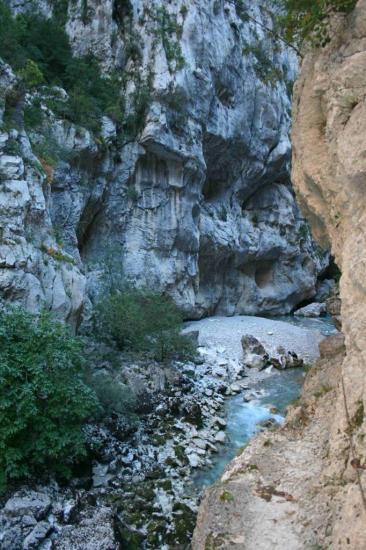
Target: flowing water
245	419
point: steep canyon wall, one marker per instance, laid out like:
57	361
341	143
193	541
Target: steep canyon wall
329	172
195	200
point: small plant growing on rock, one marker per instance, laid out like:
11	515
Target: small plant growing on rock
226	496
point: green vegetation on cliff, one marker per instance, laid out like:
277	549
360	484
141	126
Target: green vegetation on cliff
38	49
307	20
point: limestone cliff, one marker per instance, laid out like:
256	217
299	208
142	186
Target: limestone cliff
196	201
330	175
304	486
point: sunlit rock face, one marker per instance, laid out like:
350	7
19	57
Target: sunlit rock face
330	174
198	203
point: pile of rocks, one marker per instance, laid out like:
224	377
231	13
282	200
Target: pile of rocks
35	519
256	356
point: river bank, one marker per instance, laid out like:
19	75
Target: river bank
145	489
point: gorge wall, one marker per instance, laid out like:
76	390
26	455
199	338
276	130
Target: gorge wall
330	179
195	200
304	486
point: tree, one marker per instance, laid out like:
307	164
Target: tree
43	398
142	320
307	20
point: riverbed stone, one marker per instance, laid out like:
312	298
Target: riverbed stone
219	421
36	536
315	309
250	344
28	502
194	460
220	437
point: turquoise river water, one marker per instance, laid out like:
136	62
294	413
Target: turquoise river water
244	419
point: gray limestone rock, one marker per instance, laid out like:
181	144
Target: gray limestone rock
28	502
315	309
197	204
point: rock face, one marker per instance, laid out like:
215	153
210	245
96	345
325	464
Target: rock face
198	203
308	484
330	174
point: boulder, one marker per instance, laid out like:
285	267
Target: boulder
250	344
28	502
219	421
288	360
194	460
315	309
253	361
255	355
36	536
220	437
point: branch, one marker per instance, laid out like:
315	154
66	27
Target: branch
265	27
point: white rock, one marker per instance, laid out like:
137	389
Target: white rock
220	437
315	309
101	476
194	460
200	443
220	372
11	166
254	361
28	502
219	421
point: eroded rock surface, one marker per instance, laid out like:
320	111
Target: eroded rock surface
197	203
330	177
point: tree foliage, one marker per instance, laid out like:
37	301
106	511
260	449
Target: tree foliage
307	20
39	50
142	320
43	398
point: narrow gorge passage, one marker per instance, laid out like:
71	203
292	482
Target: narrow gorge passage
262	400
182	274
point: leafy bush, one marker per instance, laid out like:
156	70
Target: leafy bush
142	320
113	396
307	20
43	398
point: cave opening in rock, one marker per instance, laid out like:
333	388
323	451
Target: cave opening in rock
264	274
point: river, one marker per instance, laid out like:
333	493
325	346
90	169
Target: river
273	395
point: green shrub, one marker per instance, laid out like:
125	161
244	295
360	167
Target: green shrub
307	20
43	398
142	320
264	67
31	74
113	396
